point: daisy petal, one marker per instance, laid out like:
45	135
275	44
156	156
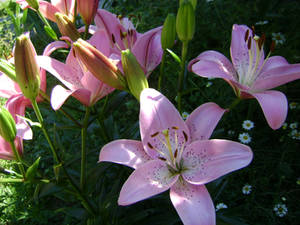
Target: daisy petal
208	160
193	203
274	105
149	179
126	152
203	121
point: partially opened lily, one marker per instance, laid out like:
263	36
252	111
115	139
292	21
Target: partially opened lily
250	73
80	83
146	47
48	9
176	155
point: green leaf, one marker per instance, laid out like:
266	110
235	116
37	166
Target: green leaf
51	33
32	170
176	57
10	180
31	123
56	169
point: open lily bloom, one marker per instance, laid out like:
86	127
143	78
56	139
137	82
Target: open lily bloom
176	155
250	73
48	9
146	47
80	82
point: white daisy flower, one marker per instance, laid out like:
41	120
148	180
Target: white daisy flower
247	189
278	38
295	134
248	124
262	22
221	206
208	84
293	105
280	210
284	126
245	138
184	115
294	125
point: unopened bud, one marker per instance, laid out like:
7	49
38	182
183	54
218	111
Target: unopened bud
193	2
33	4
87	9
7	125
66	26
134	74
99	65
185	21
27	69
168	32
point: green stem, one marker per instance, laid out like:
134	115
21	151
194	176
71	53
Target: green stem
161	70
83	149
18	158
181	74
234	103
83	199
45	21
86	31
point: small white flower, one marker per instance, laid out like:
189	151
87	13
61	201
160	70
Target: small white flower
295	134
245	138
284	126
262	22
184	115
278	38
248	124
293	105
221	206
294	125
208	84
283	198
280	210
247	189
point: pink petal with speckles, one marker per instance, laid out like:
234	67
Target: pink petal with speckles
208	160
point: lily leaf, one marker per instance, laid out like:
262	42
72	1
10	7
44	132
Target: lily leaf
31	171
176	57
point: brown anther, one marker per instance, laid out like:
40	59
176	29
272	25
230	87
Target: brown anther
261	41
249	43
113	38
175	153
273	45
149	145
185	136
175	128
253	30
74	54
246	35
155	134
162	158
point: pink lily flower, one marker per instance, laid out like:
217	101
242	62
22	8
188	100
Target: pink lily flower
176	155
5	149
48	9
80	83
250	73
146	47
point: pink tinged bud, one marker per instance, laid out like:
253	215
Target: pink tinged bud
99	65
7	125
185	21
135	76
33	3
87	9
27	69
66	26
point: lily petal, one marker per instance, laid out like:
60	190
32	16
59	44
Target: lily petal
274	105
208	160
193	204
126	152
6	151
157	113
203	121
149	179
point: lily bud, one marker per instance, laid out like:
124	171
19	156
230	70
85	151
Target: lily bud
99	65
87	9
7	125
185	21
33	4
193	2
66	26
27	69
8	68
135	76
168	32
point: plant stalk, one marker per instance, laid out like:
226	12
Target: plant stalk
161	70
18	158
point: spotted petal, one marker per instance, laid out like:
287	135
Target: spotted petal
126	152
208	160
203	121
149	179
193	203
